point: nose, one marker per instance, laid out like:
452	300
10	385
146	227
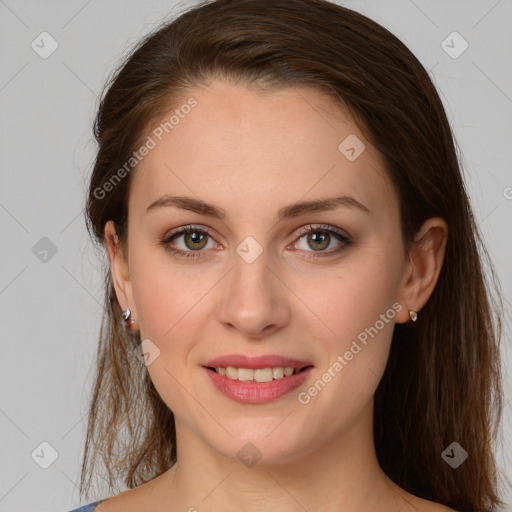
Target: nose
253	300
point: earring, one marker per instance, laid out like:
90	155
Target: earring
128	320
413	315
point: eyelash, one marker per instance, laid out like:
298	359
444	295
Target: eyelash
323	228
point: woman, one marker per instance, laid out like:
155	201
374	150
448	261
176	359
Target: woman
298	316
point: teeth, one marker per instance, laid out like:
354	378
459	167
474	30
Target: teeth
245	374
263	375
258	375
232	373
278	373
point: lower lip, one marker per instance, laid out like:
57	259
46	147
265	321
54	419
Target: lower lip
257	392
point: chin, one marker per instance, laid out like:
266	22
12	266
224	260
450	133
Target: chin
263	444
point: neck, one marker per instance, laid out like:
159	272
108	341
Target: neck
338	474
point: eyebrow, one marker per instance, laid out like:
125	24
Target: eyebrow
290	211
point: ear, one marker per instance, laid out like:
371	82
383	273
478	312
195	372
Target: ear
422	270
119	268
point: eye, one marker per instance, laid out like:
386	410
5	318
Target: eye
189	241
319	238
193	240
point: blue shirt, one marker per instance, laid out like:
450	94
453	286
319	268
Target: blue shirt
86	508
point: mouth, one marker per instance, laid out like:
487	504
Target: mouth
258	385
267	374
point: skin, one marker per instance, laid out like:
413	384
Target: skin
251	153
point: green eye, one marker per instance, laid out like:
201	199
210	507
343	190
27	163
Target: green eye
322	241
195	240
317	240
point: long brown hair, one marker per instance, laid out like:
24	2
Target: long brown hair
443	379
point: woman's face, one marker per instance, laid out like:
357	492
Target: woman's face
257	284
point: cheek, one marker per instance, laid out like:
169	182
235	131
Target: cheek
342	303
169	308
173	306
165	295
363	320
355	312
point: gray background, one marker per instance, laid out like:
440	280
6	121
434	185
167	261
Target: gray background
51	309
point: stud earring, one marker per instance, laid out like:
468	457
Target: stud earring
128	320
413	315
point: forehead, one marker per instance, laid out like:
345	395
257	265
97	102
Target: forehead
247	149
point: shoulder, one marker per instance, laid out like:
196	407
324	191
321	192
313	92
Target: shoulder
412	503
147	496
136	499
86	508
421	505
126	501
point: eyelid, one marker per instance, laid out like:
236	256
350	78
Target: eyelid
168	237
344	238
321	227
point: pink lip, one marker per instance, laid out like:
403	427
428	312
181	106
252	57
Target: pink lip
268	361
257	392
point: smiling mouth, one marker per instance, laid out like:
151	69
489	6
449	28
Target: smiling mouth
258	374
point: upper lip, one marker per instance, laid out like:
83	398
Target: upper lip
266	361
